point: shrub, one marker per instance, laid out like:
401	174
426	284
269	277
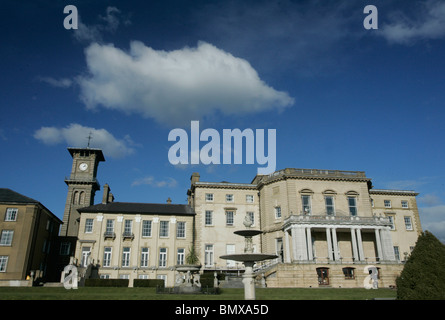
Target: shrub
423	277
207	279
148	283
106	282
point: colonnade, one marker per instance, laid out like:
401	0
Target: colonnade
299	246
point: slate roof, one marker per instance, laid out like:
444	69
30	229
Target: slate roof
140	208
8	195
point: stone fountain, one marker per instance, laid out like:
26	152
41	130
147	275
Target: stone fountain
188	279
248	258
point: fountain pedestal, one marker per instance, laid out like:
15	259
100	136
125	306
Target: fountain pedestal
249	259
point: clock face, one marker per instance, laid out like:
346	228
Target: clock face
83	166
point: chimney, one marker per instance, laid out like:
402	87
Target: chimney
169	201
195	177
110	197
106	193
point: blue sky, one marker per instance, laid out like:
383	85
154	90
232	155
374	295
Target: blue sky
339	96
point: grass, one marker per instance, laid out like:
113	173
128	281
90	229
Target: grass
100	293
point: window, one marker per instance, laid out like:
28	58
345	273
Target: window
86	251
65	248
209	218
249	198
306	201
408	224
391	221
279	249
229	197
180	256
127	227
329	201
352	203
404	204
349	273
397	253
3	263
89	225
107	257
251	215
277	212
146	228
11	214
208	255
126	257
230	249
372	202
144	257
163	229
163	257
229	218
209	197
110	226
6	238
323	276
180	229
387	203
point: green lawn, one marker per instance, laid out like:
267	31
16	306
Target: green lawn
91	293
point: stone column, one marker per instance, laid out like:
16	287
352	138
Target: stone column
328	238
387	246
309	244
360	245
301	243
354	245
335	244
287	257
378	244
294	243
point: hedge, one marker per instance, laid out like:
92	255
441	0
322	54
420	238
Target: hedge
106	282
148	283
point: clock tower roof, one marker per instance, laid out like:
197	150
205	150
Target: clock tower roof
100	155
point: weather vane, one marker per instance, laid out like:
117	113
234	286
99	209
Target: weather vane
89	139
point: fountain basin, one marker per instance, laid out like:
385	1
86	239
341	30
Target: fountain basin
187	267
249	257
248	233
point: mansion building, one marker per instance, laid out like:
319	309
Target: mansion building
325	226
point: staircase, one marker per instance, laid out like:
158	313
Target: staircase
232	282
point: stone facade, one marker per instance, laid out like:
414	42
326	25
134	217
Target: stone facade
325	226
28	240
135	240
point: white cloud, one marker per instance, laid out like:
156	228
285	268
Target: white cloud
94	32
432	219
75	135
177	86
437	228
430	24
150	180
60	83
430	200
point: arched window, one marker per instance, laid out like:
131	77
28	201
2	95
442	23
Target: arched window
76	197
306	201
82	198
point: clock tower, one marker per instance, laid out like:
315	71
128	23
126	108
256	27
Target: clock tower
82	186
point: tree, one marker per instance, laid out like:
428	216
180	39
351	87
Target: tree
191	257
423	276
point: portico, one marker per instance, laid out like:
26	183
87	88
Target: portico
337	239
